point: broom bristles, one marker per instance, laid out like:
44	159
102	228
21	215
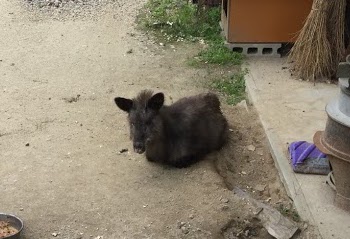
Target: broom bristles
320	44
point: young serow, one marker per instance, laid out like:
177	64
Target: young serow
179	134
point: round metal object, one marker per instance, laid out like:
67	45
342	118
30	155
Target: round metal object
344	98
14	222
335	141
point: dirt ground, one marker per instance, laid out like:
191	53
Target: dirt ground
61	135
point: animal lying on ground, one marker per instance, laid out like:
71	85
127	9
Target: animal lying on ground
179	134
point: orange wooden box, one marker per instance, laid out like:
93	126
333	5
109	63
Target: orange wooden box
263	21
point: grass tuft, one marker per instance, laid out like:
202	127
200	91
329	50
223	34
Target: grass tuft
289	212
233	87
180	20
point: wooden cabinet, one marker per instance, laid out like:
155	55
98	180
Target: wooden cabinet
263	21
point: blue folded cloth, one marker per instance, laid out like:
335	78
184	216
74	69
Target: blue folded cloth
307	158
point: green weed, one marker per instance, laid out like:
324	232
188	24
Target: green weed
289	212
217	53
178	20
232	87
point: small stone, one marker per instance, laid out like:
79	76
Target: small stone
244	173
161	44
57	3
224	207
243	104
225	200
185	230
123	151
246	233
257	210
305	226
191	216
251	147
129	51
181	224
54	234
27	144
21	209
260	187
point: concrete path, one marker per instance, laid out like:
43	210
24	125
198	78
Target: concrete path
292	110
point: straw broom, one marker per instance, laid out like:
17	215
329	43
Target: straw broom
337	30
320	44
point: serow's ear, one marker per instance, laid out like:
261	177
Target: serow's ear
124	104
156	101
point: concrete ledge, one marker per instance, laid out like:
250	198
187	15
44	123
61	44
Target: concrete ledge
292	110
285	172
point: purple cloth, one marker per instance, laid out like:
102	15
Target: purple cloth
306	158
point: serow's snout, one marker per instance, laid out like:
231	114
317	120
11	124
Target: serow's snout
139	147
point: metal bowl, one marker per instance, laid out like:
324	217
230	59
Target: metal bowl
14	222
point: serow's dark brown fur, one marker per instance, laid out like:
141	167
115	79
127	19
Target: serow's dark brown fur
179	134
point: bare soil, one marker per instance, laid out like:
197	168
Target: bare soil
66	161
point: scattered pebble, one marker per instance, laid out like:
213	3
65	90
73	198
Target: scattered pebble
72	99
260	152
181	224
27	144
224	207
191	216
258	210
243	104
244	173
123	151
225	200
54	234
260	187
129	51
185	230
251	147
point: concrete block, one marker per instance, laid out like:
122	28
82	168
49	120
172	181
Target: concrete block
263	49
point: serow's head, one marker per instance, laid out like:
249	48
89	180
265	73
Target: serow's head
143	112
